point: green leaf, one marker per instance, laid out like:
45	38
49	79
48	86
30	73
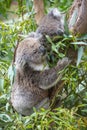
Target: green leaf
54	48
11	73
5	118
1	84
79	43
74	17
66	25
61	55
83	37
49	40
80	53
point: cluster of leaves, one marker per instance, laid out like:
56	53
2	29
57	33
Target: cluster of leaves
75	76
10	34
22	6
74	94
62	5
4	7
60	118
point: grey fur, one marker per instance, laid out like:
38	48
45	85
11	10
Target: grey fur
52	24
30	88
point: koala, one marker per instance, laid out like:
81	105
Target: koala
33	77
51	24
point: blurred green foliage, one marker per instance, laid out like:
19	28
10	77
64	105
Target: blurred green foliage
4	5
72	113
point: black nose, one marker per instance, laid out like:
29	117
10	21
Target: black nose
42	50
60	32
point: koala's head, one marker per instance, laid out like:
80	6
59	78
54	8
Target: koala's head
52	24
31	52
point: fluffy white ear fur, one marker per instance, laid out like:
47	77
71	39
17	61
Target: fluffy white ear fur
35	35
56	12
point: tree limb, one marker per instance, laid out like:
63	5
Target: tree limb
39	10
79	8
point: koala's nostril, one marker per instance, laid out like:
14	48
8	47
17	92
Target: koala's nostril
42	50
60	32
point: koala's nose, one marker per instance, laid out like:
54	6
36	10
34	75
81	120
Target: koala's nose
60	32
42	50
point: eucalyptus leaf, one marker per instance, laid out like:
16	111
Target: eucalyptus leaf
83	37
54	48
11	73
85	110
5	118
79	43
73	17
80	53
1	84
49	40
66	25
61	55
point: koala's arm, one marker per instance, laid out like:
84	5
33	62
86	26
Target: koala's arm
49	78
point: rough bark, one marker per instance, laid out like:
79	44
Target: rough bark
78	17
39	10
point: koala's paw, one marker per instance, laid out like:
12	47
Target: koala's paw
63	62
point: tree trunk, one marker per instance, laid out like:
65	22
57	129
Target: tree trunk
78	17
39	10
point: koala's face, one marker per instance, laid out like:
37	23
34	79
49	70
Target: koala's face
52	24
31	52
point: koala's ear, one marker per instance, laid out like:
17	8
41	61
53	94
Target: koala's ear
32	34
55	13
35	35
